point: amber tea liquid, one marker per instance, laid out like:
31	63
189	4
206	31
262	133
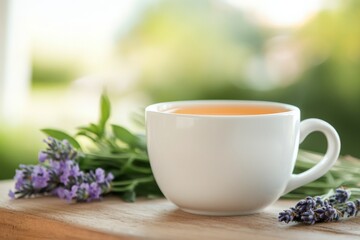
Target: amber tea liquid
227	110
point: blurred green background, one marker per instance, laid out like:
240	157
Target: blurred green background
303	53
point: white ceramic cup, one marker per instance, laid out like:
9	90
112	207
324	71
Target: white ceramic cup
231	164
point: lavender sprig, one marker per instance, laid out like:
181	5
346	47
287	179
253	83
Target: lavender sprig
76	174
328	208
115	149
58	173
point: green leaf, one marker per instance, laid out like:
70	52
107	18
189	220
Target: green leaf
129	196
141	141
125	136
92	128
105	111
85	134
60	135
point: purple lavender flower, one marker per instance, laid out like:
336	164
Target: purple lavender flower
357	204
22	177
69	195
94	191
350	209
327	213
318	202
75	170
74	190
32	180
60	192
39	177
85	187
59	150
83	192
55	166
68	170
11	194
313	210
308	217
100	175
64	171
342	195
42	156
305	204
109	177
58	173
19	178
287	216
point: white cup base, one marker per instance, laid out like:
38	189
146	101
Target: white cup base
220	213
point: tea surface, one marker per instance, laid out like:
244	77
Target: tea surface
227	110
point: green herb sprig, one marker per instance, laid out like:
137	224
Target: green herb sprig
117	150
345	172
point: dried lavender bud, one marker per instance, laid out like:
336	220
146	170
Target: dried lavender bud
326	213
357	204
318	202
308	217
286	216
350	209
342	195
305	204
313	210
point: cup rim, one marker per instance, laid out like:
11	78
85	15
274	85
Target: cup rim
161	107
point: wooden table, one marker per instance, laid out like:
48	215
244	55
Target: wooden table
52	218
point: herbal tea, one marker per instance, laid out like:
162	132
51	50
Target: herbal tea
227	110
206	154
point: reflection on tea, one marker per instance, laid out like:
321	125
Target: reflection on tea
227	110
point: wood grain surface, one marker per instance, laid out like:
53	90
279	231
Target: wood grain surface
111	218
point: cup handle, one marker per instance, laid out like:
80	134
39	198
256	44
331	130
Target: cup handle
332	153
